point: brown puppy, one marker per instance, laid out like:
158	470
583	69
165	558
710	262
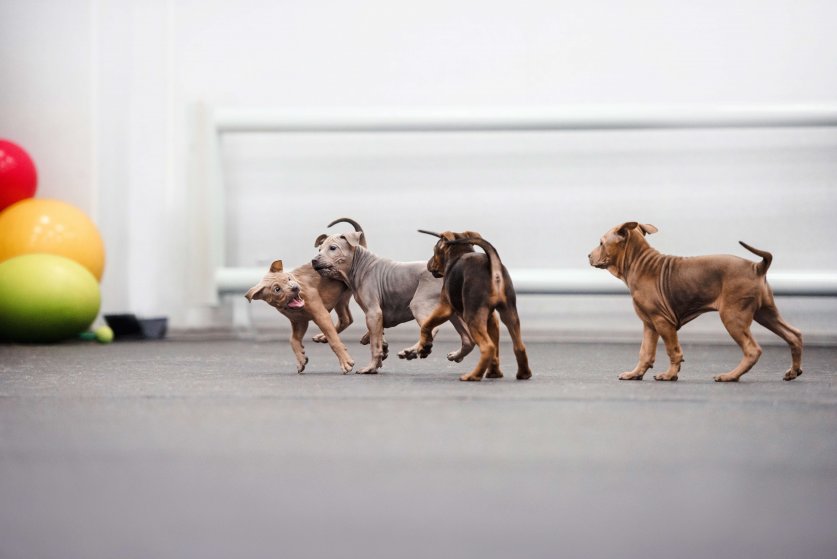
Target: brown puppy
318	296
669	291
303	295
475	285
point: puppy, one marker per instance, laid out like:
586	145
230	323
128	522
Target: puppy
389	292
669	291
303	295
475	285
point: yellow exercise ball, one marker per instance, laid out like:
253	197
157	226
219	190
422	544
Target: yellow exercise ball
53	227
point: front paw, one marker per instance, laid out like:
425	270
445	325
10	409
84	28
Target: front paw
346	366
631	375
320	339
300	364
666	376
416	351
365	339
471	377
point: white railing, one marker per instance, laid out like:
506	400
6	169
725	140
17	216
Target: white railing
214	277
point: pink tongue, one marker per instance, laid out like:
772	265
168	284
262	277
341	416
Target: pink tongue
296	303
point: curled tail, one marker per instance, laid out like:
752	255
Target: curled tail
354	224
498	284
766	258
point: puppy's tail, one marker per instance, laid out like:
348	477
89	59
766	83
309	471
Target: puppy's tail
498	284
354	224
766	258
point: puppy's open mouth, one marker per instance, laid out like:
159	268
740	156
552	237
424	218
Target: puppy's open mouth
296	303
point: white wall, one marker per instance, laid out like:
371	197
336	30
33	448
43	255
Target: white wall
103	93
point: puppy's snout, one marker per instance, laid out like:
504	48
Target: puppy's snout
295	288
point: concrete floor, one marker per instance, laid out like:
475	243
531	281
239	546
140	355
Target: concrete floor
219	449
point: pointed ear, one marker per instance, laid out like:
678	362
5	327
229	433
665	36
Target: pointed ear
276	266
319	240
647	228
354	238
626	228
470	235
448	235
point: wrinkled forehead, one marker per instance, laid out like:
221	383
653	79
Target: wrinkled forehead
334	240
612	234
277	277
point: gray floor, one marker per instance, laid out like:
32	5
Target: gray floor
218	449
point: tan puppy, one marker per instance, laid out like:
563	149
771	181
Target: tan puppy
669	291
303	295
475	285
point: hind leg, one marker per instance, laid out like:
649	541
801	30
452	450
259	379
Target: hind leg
478	327
508	315
494	331
737	322
769	317
466	343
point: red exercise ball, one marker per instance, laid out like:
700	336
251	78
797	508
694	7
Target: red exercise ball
18	178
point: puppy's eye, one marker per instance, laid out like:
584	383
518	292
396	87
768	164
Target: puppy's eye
277	289
332	247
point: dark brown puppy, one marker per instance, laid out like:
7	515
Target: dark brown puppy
669	291
475	285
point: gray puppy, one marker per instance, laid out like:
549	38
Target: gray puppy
389	292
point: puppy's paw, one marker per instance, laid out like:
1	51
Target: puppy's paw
365	339
300	365
524	375
496	373
631	375
666	376
456	356
368	370
416	351
471	377
320	339
347	366
792	373
726	377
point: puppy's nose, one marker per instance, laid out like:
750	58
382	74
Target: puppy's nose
295	288
313	261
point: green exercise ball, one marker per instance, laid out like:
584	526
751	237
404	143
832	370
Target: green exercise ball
46	298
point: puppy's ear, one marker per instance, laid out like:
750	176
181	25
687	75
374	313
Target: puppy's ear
448	235
276	266
354	238
470	235
647	228
255	292
626	228
319	240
